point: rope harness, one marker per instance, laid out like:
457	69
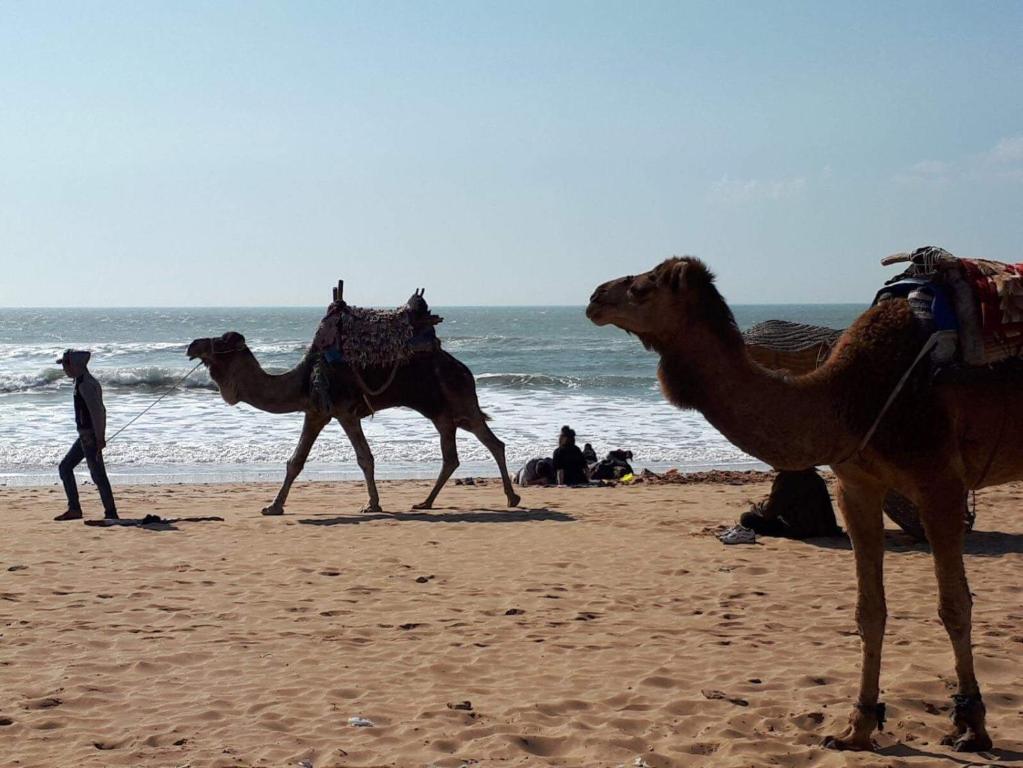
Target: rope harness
367	393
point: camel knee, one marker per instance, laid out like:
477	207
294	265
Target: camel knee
295	467
871	620
955	617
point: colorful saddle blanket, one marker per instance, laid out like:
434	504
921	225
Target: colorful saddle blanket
376	337
976	303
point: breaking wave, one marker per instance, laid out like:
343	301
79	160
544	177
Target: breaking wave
146	377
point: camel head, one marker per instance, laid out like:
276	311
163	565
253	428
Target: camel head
221	355
669	305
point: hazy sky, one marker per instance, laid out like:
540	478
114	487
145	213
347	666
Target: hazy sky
514	153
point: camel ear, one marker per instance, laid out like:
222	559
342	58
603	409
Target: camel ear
674	276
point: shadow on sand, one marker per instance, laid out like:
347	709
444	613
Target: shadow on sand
540	514
979	543
991	757
150	524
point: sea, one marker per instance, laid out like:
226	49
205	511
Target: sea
536	369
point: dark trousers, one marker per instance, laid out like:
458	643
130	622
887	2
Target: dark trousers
765	526
86	449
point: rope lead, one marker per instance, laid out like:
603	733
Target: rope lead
150	406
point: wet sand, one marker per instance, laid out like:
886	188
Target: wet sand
597	627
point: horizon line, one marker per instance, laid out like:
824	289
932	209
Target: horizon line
436	306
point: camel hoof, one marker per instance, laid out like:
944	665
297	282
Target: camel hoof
514	499
967	742
371	509
423	505
840	744
272	510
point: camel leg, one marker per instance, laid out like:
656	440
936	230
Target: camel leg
353	428
496	447
861	507
311	428
449	454
943	521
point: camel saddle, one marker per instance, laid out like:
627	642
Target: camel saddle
975	306
377	337
794	347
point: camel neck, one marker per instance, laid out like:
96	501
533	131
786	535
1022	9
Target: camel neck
283	393
786	422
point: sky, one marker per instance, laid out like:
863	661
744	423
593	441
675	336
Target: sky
252	153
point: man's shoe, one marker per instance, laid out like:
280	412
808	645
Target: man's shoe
71	514
111	515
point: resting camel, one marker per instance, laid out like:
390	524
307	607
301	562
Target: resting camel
435	384
960	431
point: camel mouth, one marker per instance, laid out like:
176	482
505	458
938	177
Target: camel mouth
199	348
595	313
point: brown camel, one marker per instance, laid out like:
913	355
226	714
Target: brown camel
433	383
942	436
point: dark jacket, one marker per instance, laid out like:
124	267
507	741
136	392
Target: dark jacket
570	459
90	414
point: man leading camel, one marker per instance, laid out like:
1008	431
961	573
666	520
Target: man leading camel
91	422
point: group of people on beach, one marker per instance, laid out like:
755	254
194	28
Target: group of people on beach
570	465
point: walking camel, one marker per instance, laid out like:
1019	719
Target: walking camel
434	383
938	440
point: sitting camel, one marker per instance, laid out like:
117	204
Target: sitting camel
942	437
433	383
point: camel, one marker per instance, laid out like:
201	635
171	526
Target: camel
942	437
434	383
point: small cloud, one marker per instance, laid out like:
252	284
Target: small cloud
926	172
728	190
1007	151
1004	161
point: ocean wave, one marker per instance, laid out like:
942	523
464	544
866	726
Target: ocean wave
133	377
549	381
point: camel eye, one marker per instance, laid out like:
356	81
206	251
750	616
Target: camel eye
639	290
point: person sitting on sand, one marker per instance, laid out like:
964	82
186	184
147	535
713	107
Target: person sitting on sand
539	471
589	454
569	464
799	507
91	422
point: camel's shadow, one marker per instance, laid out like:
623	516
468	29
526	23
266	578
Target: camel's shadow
993	756
540	514
979	543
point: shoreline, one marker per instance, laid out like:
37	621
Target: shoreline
317	473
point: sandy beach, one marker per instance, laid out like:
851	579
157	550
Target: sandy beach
596	627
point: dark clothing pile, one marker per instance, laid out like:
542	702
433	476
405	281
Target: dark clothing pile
799	507
613	466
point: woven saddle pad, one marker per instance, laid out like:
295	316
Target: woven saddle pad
794	347
375	336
